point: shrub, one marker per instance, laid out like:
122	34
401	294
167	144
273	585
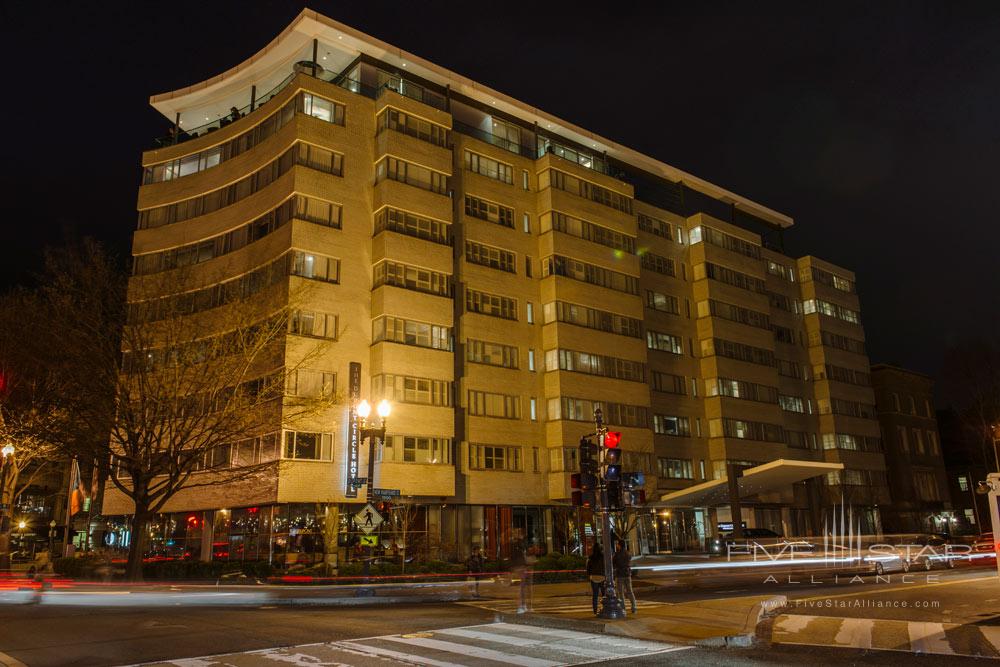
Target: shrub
81	567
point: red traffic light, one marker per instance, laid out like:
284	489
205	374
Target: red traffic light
612	438
574	481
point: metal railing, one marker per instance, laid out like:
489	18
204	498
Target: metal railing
498	141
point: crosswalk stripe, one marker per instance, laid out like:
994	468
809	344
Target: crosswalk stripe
489	636
474	651
792	623
992	635
856	632
928	638
398	655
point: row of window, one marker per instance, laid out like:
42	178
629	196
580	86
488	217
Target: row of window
498	214
416	449
310	383
839	342
857	443
852	477
830	309
749	391
746	430
491	256
595	364
664	342
845	375
417	390
302	154
780	270
917	441
730	277
292	263
734	313
492	354
557	265
314	324
561	222
738	351
304	103
912	404
841	406
723	240
783	302
665	303
416	175
783	334
411	224
493	305
658	227
658	264
670	425
488	167
414	126
582	410
492	404
413	278
591	318
411	332
298	206
562	181
830	279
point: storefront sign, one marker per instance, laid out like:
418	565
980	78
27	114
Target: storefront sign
353	430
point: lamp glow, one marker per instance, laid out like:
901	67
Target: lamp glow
364	409
8	450
21	525
383	408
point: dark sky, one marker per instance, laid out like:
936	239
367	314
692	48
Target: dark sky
875	125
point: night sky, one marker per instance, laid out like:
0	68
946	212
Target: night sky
876	126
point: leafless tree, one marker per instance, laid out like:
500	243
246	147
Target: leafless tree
971	379
175	388
402	517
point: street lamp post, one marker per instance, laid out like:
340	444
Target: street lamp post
7	452
372	434
52	537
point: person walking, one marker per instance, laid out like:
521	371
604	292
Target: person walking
519	568
595	572
476	563
622	562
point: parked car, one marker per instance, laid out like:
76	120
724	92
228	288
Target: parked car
928	551
763	538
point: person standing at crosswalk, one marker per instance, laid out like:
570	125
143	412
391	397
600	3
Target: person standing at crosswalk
595	572
622	562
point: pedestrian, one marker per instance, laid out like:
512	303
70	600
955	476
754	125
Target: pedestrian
519	568
622	562
595	572
235	114
476	564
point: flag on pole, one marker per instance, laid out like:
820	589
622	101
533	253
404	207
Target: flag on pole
76	492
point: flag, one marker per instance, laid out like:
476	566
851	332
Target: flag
76	492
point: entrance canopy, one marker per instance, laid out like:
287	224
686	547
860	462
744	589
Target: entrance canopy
770	476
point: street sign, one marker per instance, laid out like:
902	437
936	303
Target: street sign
369	540
386	493
357	481
368	519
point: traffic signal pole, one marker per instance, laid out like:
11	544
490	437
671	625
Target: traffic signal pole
611	605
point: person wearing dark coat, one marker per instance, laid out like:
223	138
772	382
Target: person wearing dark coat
595	572
622	562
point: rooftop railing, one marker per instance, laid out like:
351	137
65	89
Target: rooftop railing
500	142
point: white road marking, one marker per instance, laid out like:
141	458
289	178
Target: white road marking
992	635
398	655
490	636
475	651
928	638
792	623
856	632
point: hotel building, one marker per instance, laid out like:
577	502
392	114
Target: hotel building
498	273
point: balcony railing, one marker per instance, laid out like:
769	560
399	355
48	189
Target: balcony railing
498	141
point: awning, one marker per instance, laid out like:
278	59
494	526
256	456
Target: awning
770	476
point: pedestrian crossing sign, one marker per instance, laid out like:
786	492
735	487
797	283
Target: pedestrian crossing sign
368	519
369	540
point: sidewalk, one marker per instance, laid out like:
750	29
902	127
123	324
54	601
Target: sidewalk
714	622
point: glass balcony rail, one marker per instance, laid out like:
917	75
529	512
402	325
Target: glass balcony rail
335	78
546	145
411	90
493	139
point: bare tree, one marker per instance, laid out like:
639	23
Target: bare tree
971	379
176	388
402	516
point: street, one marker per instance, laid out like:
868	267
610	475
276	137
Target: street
945	612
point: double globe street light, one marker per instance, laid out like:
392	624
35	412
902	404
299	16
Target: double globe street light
364	410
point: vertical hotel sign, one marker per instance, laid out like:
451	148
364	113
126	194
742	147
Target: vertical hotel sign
353	432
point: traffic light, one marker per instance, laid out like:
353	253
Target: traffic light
384	507
614	495
633	480
612	456
588	456
583	485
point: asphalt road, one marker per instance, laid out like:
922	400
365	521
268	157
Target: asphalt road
40	636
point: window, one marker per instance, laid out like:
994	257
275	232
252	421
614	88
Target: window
588	231
530	312
494	457
746	430
413	278
733	313
526	223
533	414
832	280
963	483
399	121
595	364
724	240
904	441
780	270
406	389
841	342
840	406
810	306
412	174
411	332
658	264
489	167
493	305
417	449
564	459
531	360
664	342
495	258
489	211
315	267
668	425
656	227
312	323
729	277
665	303
913	405
324	109
738	351
676	469
783	334
668	383
299	154
749	391
487	404
932	444
310	383
491	354
851	376
308	446
571	313
524	179
403	222
577	186
918	442
557	265
925	484
791	403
